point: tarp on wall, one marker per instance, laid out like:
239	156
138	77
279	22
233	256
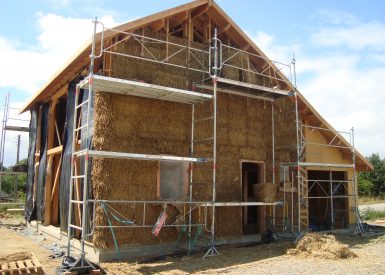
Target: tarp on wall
40	188
65	172
30	214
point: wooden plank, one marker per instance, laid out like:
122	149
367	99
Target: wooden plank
167	34
200	11
61	92
12	266
55	150
36	172
224	29
48	192
51	131
4	267
29	264
56	180
55	192
21	265
36	262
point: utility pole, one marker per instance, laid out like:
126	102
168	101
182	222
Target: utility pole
18	149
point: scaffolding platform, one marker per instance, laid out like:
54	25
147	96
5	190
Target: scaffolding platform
230	86
16	128
121	155
142	89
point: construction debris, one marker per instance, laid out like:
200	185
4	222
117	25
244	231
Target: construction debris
321	246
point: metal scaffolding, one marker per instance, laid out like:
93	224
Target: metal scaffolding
212	82
299	174
9	124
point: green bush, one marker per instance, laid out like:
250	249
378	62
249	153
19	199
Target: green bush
369	214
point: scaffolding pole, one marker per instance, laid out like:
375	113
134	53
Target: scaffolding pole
298	167
212	250
191	176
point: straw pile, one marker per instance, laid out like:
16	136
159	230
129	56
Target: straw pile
265	192
321	246
18	256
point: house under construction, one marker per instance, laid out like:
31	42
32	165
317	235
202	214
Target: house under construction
177	130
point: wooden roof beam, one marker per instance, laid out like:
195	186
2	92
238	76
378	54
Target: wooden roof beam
180	19
158	25
199	11
198	36
224	29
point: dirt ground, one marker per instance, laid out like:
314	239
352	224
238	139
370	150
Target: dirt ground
267	259
14	240
256	259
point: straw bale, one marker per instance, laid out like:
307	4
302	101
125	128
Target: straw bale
156	73
239	60
321	246
265	192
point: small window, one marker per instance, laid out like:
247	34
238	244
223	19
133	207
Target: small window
173	180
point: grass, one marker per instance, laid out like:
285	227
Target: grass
369	214
370	200
4	207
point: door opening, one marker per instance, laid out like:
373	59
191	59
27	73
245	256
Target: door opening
252	216
326	211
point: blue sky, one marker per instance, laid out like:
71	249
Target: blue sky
339	48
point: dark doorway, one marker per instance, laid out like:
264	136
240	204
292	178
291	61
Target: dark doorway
328	202
252	174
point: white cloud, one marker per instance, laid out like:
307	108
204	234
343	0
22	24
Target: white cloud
27	68
339	70
365	35
337	17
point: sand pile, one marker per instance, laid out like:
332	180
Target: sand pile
321	246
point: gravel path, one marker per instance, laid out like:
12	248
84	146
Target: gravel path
267	259
376	206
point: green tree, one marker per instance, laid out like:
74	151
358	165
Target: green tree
14	184
373	183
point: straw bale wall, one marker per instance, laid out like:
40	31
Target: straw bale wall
139	125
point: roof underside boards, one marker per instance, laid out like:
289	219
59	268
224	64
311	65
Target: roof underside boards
200	12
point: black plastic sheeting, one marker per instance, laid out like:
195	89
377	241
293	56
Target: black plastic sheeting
40	190
30	214
65	173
